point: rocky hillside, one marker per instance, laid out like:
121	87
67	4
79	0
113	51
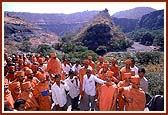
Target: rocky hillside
135	13
57	23
18	31
126	25
153	20
150	30
101	33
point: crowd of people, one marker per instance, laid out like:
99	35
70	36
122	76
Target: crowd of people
37	83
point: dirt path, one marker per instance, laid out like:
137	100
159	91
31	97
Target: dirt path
139	47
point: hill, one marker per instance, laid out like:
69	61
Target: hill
60	24
127	25
18	33
135	13
101	34
153	20
150	30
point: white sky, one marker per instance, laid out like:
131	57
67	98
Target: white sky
72	7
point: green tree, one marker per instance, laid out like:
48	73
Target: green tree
44	49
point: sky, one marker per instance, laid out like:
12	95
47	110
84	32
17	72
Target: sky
72	7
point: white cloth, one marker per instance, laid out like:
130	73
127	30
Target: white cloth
135	69
89	86
144	84
76	68
66	68
59	94
74	87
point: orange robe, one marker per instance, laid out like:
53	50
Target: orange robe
44	100
121	102
107	97
115	69
101	75
99	66
33	82
124	70
15	97
138	96
54	66
37	74
31	103
10	77
92	64
8	99
82	72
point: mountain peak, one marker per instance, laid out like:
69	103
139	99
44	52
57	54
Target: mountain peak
100	32
135	13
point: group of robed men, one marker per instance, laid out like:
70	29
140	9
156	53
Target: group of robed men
43	84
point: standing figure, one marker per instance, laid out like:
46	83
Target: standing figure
58	90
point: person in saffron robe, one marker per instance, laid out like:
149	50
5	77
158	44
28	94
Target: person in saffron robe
125	69
42	94
91	63
15	89
114	68
102	75
108	95
134	96
10	75
30	77
100	63
102	71
20	77
8	99
31	103
35	70
126	82
54	65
